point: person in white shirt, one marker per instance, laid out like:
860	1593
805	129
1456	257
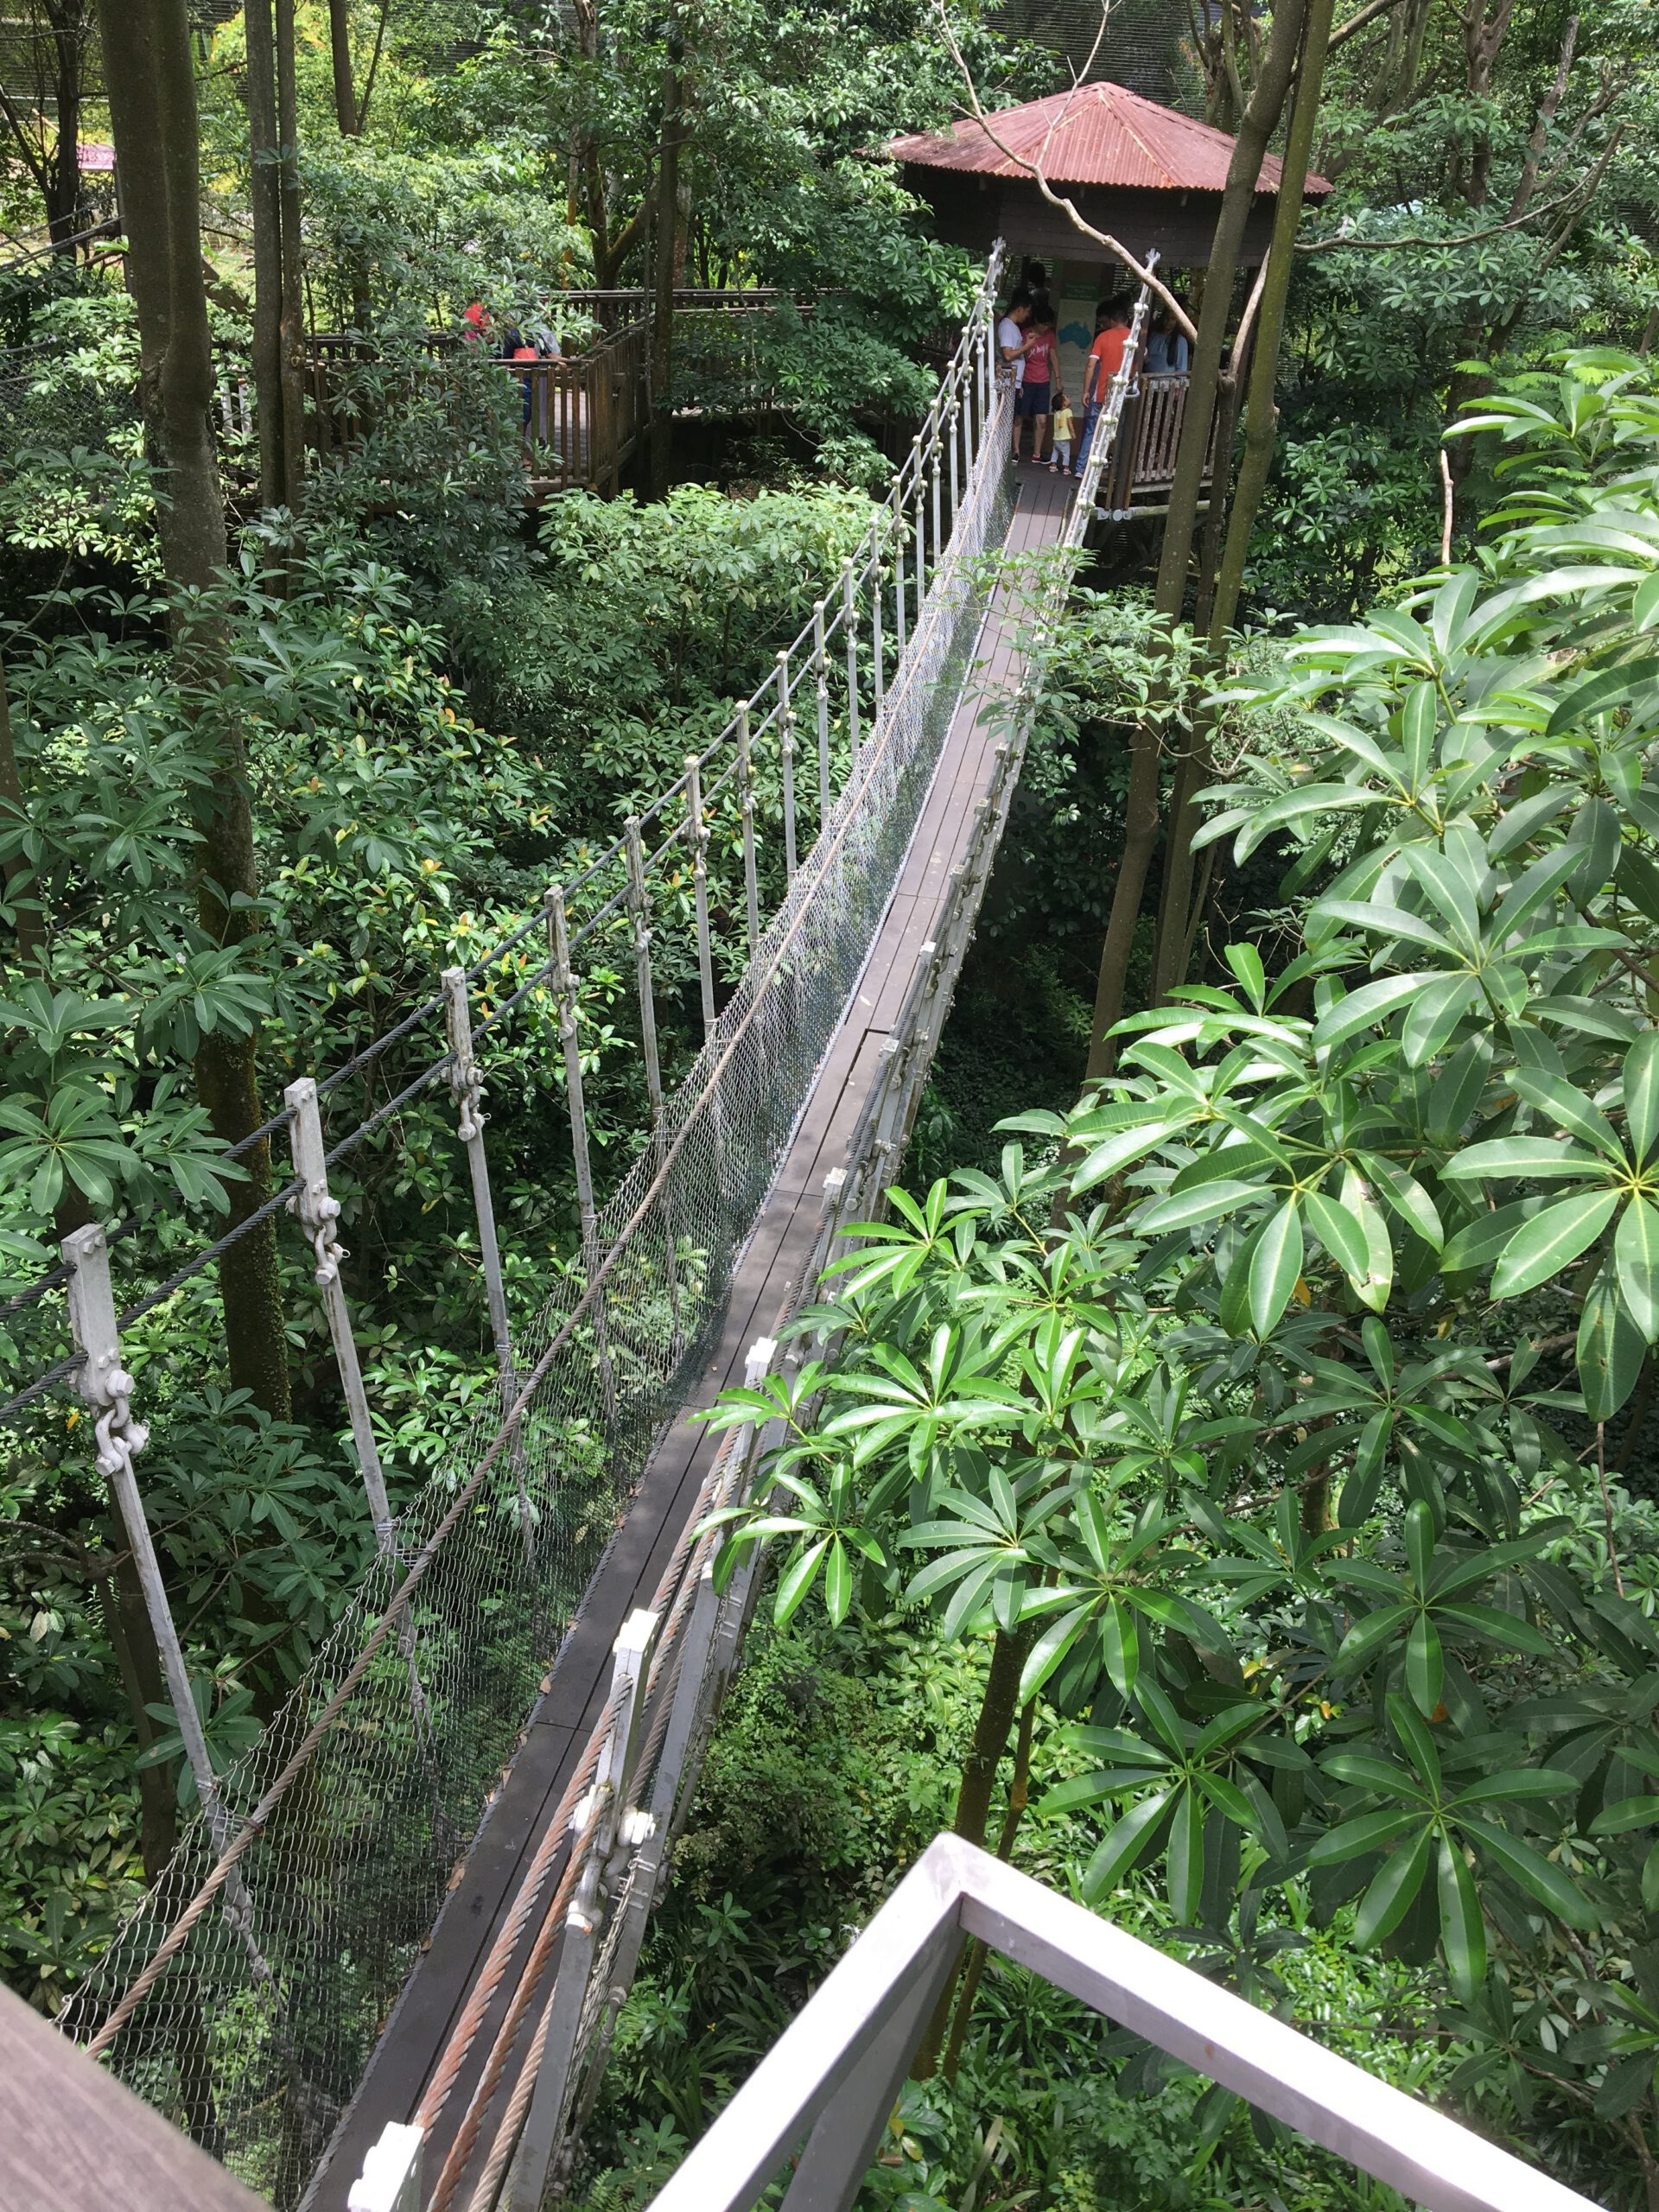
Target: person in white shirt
1011	344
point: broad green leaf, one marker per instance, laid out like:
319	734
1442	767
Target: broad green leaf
1433	1015
1610	687
1393	1893
1185	1859
1123	1845
1542	1882
1642	1094
1463	1926
796	1581
1635	1256
1275	1266
1539	1158
1425	1666
1541	1248
838	1583
1579	1116
1371	1833
1611	1349
1360	1009
1340	1233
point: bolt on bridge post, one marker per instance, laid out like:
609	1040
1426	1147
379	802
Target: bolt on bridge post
467	1083
564	992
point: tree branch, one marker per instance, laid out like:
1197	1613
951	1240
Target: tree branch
1357	22
1341	244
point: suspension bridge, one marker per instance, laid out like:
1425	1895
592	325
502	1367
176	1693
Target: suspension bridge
382	1969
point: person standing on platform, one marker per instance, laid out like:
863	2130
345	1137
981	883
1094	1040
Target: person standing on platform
1011	353
1105	360
1033	399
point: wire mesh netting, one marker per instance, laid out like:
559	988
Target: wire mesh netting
351	1811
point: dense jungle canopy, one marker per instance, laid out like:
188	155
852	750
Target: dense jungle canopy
1226	1480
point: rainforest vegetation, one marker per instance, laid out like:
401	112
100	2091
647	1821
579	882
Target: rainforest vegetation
1225	1481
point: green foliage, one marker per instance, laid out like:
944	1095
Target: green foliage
1245	1414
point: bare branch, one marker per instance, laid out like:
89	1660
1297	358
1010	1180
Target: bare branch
1539	139
1341	244
1246	319
1066	205
1357	22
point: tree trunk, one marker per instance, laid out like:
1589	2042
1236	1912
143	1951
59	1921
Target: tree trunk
1018	1796
65	203
1261	413
666	223
1260	120
132	1639
1260	431
339	49
266	197
293	299
996	1711
152	96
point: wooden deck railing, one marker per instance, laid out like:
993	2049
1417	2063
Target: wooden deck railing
584	413
1143	467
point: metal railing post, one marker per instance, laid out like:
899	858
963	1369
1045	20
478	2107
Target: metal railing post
821	687
786	754
697	831
317	1213
745	805
933	486
107	1388
901	613
850	623
609	1812
639	914
878	654
920	556
467	1083
564	992
952	416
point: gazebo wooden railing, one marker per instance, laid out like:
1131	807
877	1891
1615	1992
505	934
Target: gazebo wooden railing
1142	468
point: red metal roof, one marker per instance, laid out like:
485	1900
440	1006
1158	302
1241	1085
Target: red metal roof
1094	134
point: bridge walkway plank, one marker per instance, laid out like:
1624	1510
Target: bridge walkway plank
574	1694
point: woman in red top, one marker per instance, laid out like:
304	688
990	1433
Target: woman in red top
1034	398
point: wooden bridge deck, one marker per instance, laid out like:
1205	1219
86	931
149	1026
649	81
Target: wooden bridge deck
763	1290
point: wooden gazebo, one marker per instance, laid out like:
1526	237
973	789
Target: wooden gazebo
1148	175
